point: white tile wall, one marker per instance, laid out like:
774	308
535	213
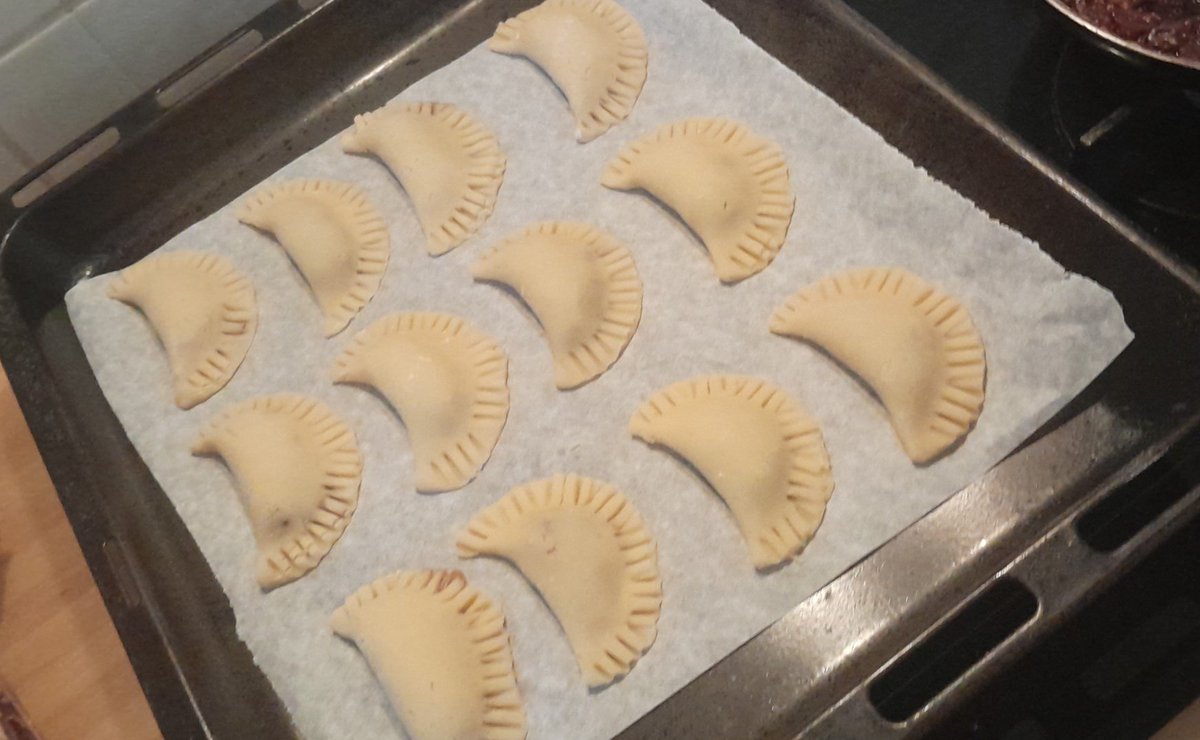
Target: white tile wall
143	37
55	86
253	7
65	65
11	167
18	17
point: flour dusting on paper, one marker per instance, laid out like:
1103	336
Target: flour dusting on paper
859	202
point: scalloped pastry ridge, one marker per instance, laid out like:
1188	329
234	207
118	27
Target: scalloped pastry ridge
756	447
728	185
584	547
439	647
582	286
914	345
332	234
450	166
203	312
299	470
448	382
593	50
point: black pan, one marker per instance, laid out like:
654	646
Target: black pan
889	649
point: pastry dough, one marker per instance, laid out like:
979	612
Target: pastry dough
440	650
334	236
730	186
593	50
582	286
448	382
450	166
202	310
756	447
298	468
584	547
914	346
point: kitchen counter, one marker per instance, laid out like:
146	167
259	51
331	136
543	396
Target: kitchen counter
59	652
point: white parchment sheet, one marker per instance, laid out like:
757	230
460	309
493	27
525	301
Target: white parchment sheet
859	202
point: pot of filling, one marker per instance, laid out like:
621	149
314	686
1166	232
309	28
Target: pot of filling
1164	34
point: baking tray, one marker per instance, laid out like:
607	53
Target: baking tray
878	652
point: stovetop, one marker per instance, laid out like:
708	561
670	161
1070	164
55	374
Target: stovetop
1128	136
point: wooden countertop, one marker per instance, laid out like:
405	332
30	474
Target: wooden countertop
59	652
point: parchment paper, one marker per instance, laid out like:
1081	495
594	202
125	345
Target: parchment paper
860	202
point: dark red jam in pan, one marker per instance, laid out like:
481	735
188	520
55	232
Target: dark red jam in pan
1170	27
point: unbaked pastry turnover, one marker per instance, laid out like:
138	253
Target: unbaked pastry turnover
447	380
583	288
333	235
915	346
584	547
440	650
450	165
727	184
298	468
756	447
203	311
593	50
